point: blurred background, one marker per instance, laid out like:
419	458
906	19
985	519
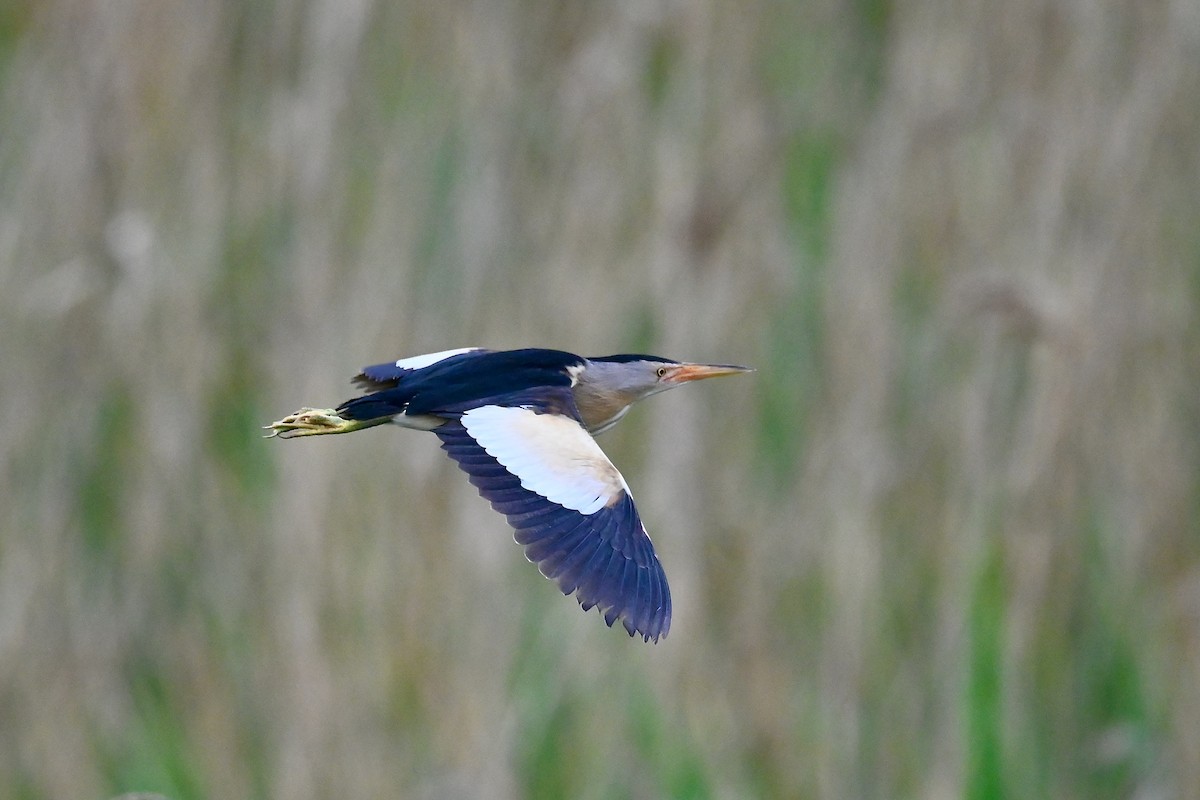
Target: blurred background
943	544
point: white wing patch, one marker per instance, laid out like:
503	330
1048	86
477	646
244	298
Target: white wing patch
418	362
552	456
575	370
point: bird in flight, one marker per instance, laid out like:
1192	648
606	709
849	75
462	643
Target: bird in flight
520	424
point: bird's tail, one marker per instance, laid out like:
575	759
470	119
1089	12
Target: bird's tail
366	408
376	406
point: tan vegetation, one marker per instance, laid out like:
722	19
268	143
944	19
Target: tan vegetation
942	544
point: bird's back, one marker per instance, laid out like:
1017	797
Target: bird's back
532	376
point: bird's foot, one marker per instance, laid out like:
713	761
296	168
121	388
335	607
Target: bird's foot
312	422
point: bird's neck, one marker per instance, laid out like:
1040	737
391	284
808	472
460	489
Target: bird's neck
600	409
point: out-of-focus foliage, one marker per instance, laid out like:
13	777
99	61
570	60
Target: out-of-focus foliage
942	544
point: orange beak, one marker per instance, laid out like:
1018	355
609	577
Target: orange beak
684	373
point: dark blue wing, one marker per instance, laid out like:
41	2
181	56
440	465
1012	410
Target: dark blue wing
386	376
605	557
464	381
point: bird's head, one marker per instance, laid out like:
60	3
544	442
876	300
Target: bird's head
635	376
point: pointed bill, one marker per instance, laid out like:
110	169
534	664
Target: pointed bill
684	373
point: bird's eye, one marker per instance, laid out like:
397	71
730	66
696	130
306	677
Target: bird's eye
660	371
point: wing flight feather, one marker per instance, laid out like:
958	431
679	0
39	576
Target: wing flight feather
570	510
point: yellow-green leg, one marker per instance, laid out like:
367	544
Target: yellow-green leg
317	422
